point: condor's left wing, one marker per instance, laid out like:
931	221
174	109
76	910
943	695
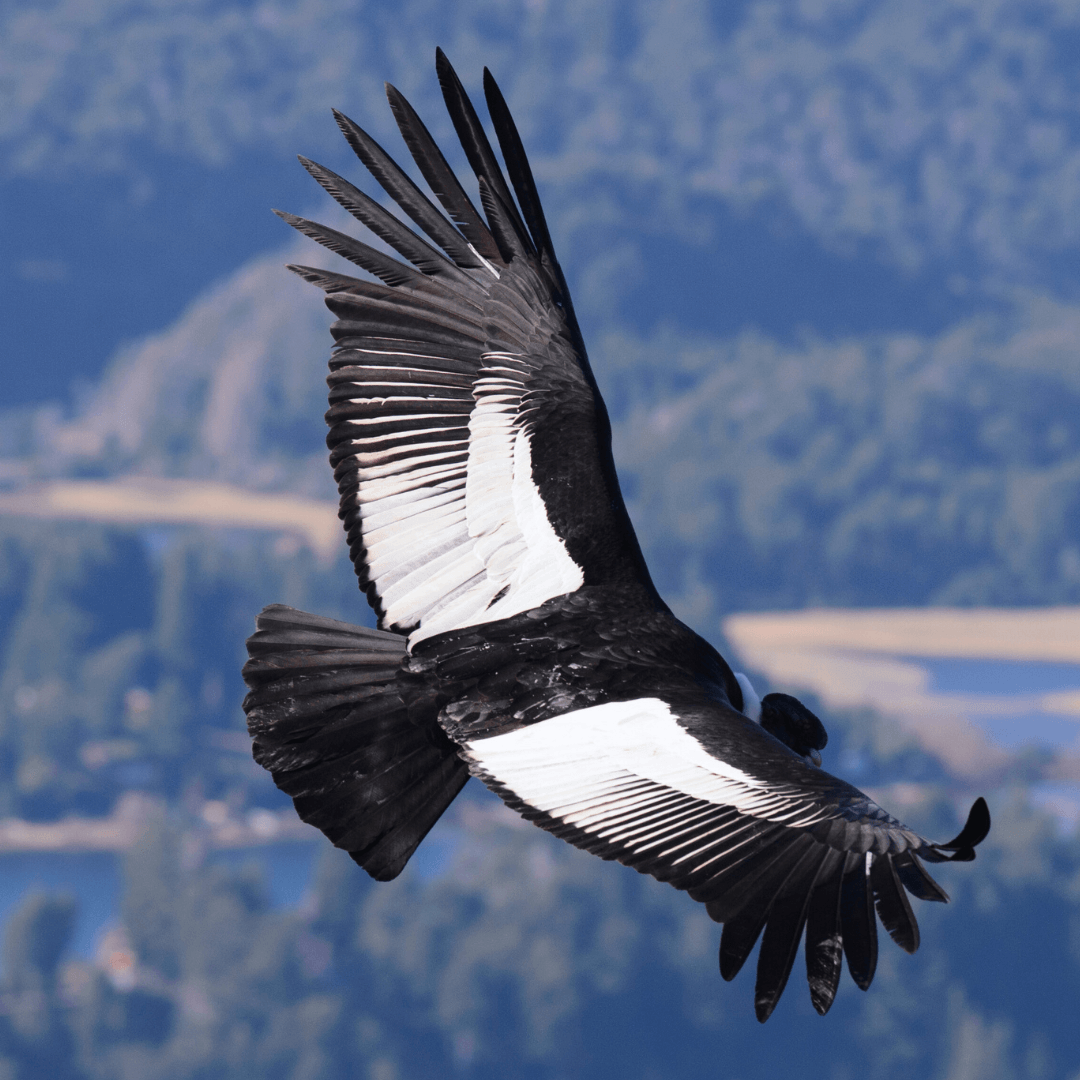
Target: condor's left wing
703	798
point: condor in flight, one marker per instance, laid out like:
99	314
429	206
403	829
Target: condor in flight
521	638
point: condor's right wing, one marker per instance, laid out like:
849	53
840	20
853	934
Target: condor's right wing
470	444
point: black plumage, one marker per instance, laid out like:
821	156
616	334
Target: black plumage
794	725
522	640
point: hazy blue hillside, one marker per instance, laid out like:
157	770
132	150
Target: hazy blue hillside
121	659
849	167
874	470
502	954
520	957
232	391
823	253
886	469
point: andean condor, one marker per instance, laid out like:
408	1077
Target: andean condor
521	638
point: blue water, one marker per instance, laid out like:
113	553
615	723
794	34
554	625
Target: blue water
1031	729
1007	678
95	880
286	868
952	676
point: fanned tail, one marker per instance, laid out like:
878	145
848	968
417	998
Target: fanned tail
331	721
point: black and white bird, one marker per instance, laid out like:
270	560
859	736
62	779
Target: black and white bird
521	638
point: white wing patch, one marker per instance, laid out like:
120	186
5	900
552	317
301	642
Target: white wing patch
611	769
455	531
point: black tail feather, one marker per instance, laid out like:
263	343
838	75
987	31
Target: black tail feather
278	624
385	858
331	721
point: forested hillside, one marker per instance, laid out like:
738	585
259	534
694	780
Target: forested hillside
882	470
823	254
519	957
891	469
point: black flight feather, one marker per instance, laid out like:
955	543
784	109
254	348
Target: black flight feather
972	834
749	851
780	942
916	880
517	165
753	900
406	194
358	296
384	267
893	907
384	225
326	280
824	943
440	177
500	218
859	925
395	315
475	142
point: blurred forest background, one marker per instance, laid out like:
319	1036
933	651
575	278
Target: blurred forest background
825	256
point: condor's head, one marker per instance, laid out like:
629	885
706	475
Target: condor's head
787	719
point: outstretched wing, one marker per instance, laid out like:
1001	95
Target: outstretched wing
470	444
770	844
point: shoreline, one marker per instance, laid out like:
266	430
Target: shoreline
213	825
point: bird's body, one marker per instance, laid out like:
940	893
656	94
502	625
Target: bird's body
522	639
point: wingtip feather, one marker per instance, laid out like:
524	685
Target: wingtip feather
858	922
892	905
961	848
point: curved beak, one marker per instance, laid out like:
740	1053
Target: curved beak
814	758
